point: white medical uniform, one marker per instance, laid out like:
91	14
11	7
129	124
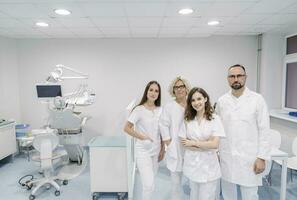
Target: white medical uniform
246	123
202	167
147	122
170	122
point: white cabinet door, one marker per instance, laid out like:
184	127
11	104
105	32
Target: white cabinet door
7	140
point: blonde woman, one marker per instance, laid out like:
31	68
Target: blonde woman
170	122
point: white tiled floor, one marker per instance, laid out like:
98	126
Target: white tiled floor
79	188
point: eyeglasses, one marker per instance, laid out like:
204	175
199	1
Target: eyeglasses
179	87
238	76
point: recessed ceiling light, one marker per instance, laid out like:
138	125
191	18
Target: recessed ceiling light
62	12
213	23
41	24
185	11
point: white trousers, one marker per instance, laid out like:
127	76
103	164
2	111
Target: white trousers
229	191
148	168
203	191
176	191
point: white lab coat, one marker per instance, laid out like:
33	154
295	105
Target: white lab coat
147	122
202	166
246	123
170	122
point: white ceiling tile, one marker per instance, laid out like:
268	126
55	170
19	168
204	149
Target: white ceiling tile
280	19
89	35
2	15
114	31
197	35
180	21
203	29
118	36
270	6
22	10
234	28
29	22
62	36
75	22
228	8
84	30
238	0
110	21
103	9
224	33
145	21
290	9
49	8
248	33
145	9
259	28
205	19
55	31
144	31
10	23
144	35
169	31
248	19
200	8
145	18
172	35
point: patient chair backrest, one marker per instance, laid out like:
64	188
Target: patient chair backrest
45	143
46	154
64	119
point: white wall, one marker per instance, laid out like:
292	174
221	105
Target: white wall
120	68
9	85
272	63
271	69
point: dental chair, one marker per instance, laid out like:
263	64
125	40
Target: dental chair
69	125
45	144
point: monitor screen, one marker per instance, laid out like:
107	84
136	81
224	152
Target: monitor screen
291	86
48	91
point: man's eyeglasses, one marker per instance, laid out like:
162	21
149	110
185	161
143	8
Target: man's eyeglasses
238	76
179	87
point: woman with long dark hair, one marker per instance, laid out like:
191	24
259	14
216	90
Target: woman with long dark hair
143	125
200	135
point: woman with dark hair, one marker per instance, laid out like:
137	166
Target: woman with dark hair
200	136
143	125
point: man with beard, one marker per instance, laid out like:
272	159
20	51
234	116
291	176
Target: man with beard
246	146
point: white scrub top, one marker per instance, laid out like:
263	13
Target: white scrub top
170	123
147	122
246	122
202	165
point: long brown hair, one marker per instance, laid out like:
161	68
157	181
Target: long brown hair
144	96
190	112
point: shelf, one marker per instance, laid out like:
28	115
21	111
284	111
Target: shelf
282	114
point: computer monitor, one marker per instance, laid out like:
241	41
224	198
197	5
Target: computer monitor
48	91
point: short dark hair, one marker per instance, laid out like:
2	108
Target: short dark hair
237	65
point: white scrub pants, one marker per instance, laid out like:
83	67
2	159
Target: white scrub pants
176	191
203	191
229	191
147	167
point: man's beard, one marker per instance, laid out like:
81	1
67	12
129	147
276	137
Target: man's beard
236	86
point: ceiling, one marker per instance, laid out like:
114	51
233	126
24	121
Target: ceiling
145	18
